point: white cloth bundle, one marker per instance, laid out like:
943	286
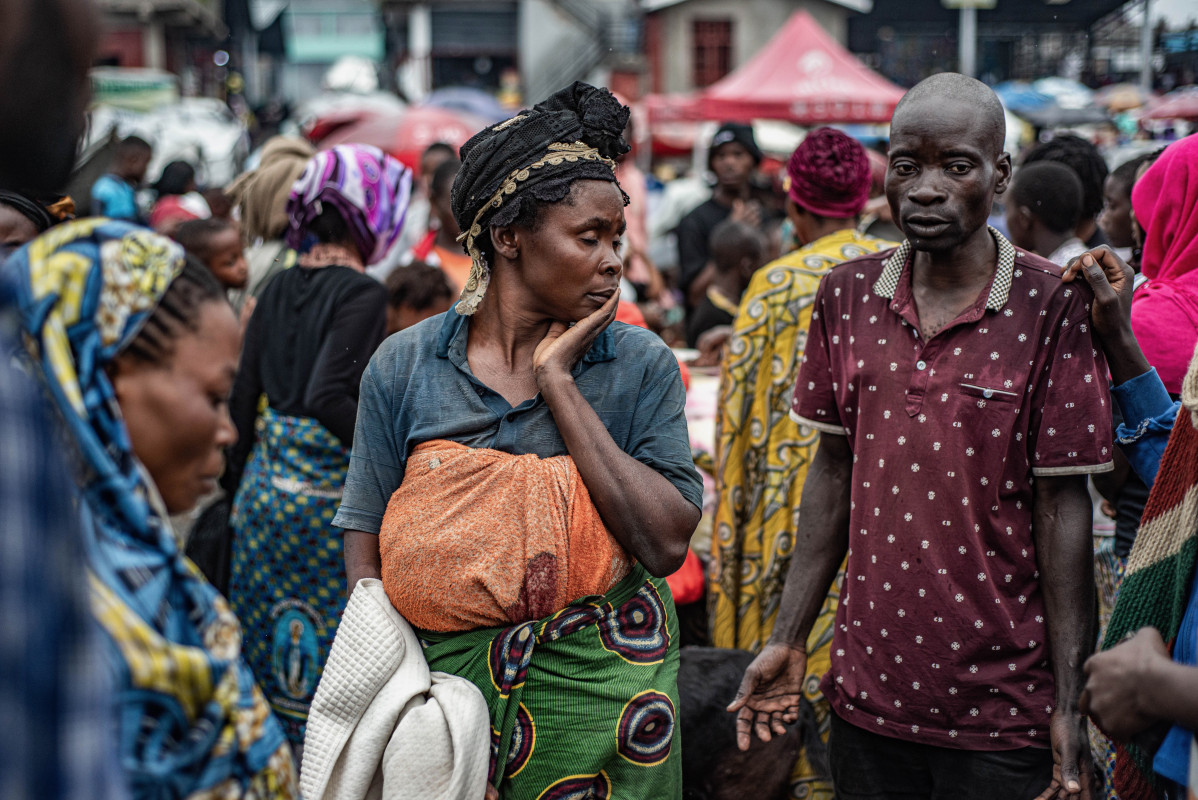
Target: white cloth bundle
381	726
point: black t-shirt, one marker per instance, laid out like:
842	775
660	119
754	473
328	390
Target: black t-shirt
307	344
694	239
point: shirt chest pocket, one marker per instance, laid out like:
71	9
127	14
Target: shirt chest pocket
981	409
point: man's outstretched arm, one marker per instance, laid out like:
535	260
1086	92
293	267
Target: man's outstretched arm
769	694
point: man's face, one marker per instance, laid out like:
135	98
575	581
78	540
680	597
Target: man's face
428	165
1115	219
732	164
135	164
442	208
943	173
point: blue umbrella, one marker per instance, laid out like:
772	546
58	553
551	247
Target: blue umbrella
472	101
1021	98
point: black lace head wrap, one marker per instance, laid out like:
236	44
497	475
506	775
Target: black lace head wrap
575	134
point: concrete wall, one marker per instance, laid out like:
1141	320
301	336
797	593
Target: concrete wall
753	23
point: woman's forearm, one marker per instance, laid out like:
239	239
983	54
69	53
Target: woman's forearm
642	509
362	558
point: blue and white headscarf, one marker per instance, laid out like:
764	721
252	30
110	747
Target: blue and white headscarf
192	722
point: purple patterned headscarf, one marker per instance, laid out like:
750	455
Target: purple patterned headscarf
370	189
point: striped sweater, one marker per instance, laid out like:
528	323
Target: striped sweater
1160	569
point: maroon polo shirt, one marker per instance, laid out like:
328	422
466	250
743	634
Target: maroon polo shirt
940	634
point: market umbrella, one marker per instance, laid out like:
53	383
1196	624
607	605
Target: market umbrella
1054	116
469	100
406	135
1065	93
318	116
1122	97
1178	104
1019	96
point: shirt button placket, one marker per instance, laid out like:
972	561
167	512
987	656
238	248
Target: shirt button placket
918	385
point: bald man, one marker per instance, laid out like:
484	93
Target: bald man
954	384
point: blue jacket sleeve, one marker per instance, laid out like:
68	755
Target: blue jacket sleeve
1149	414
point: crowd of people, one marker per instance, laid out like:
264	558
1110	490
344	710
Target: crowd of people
387	473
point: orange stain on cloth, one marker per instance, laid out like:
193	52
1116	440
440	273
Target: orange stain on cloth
477	538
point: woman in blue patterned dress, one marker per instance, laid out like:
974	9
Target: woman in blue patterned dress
294	403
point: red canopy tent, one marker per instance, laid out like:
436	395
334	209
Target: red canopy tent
804	76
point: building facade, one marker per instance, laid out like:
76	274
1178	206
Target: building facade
1016	40
179	36
519	48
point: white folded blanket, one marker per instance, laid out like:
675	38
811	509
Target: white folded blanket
381	726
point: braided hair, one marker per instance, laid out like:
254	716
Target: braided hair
178	311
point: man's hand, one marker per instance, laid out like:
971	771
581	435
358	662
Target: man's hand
1111	279
1072	773
746	211
768	697
1115	683
564	346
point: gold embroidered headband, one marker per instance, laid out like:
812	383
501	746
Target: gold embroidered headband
480	271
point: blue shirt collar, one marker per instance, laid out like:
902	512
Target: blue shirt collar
455	327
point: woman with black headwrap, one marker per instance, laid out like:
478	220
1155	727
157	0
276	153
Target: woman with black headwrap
521	476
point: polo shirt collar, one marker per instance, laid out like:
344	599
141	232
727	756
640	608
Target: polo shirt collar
1000	287
455	327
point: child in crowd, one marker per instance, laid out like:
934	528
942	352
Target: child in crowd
414	293
1115	219
1044	209
178	200
114	194
737	250
216	243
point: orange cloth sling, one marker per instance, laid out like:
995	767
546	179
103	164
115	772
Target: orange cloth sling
476	538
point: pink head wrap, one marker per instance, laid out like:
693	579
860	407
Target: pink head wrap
1165	202
369	188
828	174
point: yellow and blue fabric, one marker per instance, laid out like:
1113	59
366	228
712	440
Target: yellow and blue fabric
287	582
762	457
191	722
50	690
584	702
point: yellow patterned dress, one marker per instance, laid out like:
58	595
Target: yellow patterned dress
761	461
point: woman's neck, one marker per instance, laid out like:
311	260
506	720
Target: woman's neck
505	327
